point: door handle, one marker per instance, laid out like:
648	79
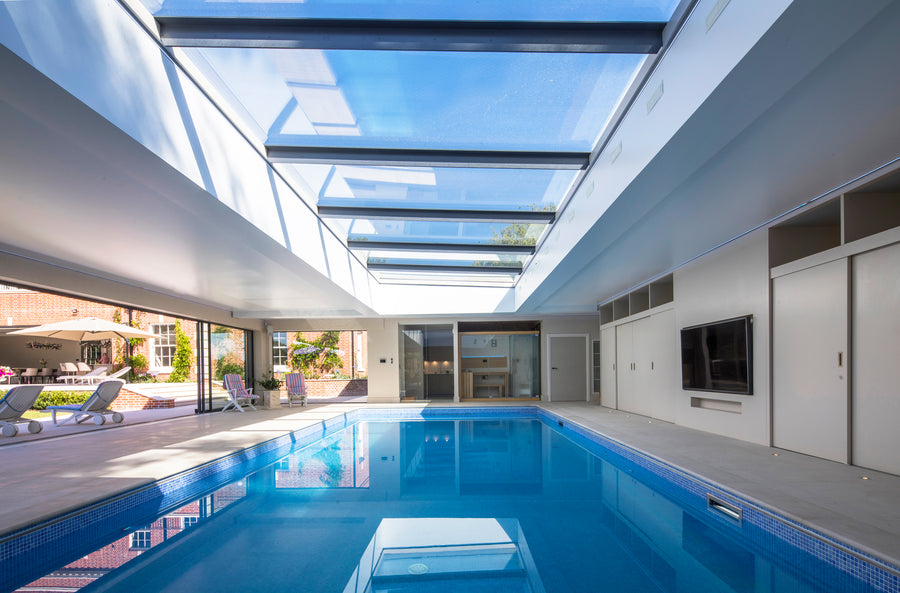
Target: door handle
554	369
840	359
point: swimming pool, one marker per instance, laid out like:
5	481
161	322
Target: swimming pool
504	500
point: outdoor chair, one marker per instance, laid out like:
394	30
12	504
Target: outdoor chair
82	367
96	407
17	401
28	376
67	372
45	374
296	388
239	395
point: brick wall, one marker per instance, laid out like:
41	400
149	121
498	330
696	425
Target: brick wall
129	400
336	387
25	308
346	344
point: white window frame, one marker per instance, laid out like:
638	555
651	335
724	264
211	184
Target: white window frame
142	539
276	366
155	342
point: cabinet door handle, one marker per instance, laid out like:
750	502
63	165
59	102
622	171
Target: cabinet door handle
840	359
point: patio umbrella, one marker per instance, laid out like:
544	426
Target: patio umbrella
307	350
84	329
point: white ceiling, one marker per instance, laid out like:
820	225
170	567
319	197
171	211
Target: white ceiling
814	105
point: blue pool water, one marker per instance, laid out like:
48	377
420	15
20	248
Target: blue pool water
476	503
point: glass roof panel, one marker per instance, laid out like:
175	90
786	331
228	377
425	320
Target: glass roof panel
449	100
534	10
445	278
434	232
425	187
468	101
444	259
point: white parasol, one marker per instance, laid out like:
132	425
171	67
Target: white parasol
84	330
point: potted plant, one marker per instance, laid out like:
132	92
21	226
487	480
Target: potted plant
270	390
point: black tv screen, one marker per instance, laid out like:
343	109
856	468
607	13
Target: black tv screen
717	356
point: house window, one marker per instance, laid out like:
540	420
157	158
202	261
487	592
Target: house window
140	540
163	344
280	352
90	352
187	522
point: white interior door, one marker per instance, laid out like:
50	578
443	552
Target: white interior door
569	376
664	384
876	368
809	352
625	387
608	367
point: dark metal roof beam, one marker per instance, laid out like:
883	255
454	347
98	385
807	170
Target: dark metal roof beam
440	247
413	35
399	157
385	267
438	215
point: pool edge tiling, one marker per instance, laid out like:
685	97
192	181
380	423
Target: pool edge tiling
806	543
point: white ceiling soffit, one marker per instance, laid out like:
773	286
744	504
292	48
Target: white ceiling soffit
83	195
811	106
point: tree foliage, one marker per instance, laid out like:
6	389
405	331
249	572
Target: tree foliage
184	356
324	361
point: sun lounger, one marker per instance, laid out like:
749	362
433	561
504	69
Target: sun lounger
17	401
97	374
96	407
239	395
104	376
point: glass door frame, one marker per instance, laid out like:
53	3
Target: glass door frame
205	402
462	388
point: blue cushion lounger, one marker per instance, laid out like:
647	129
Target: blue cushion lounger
17	401
96	406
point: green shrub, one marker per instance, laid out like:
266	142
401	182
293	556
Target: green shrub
138	364
269	382
181	362
60	398
225	367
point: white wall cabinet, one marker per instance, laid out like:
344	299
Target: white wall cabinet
809	353
876	368
608	389
645	366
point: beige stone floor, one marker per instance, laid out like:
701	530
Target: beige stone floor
67	469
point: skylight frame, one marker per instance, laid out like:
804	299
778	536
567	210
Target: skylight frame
629	37
484	160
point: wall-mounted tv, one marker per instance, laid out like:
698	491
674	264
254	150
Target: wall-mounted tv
718	356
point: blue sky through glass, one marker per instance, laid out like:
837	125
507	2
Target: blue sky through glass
424	100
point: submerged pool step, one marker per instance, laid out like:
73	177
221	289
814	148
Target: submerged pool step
474	561
488	583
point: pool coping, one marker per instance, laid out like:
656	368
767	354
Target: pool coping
838	551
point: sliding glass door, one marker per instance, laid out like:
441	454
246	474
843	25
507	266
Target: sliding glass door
427	355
